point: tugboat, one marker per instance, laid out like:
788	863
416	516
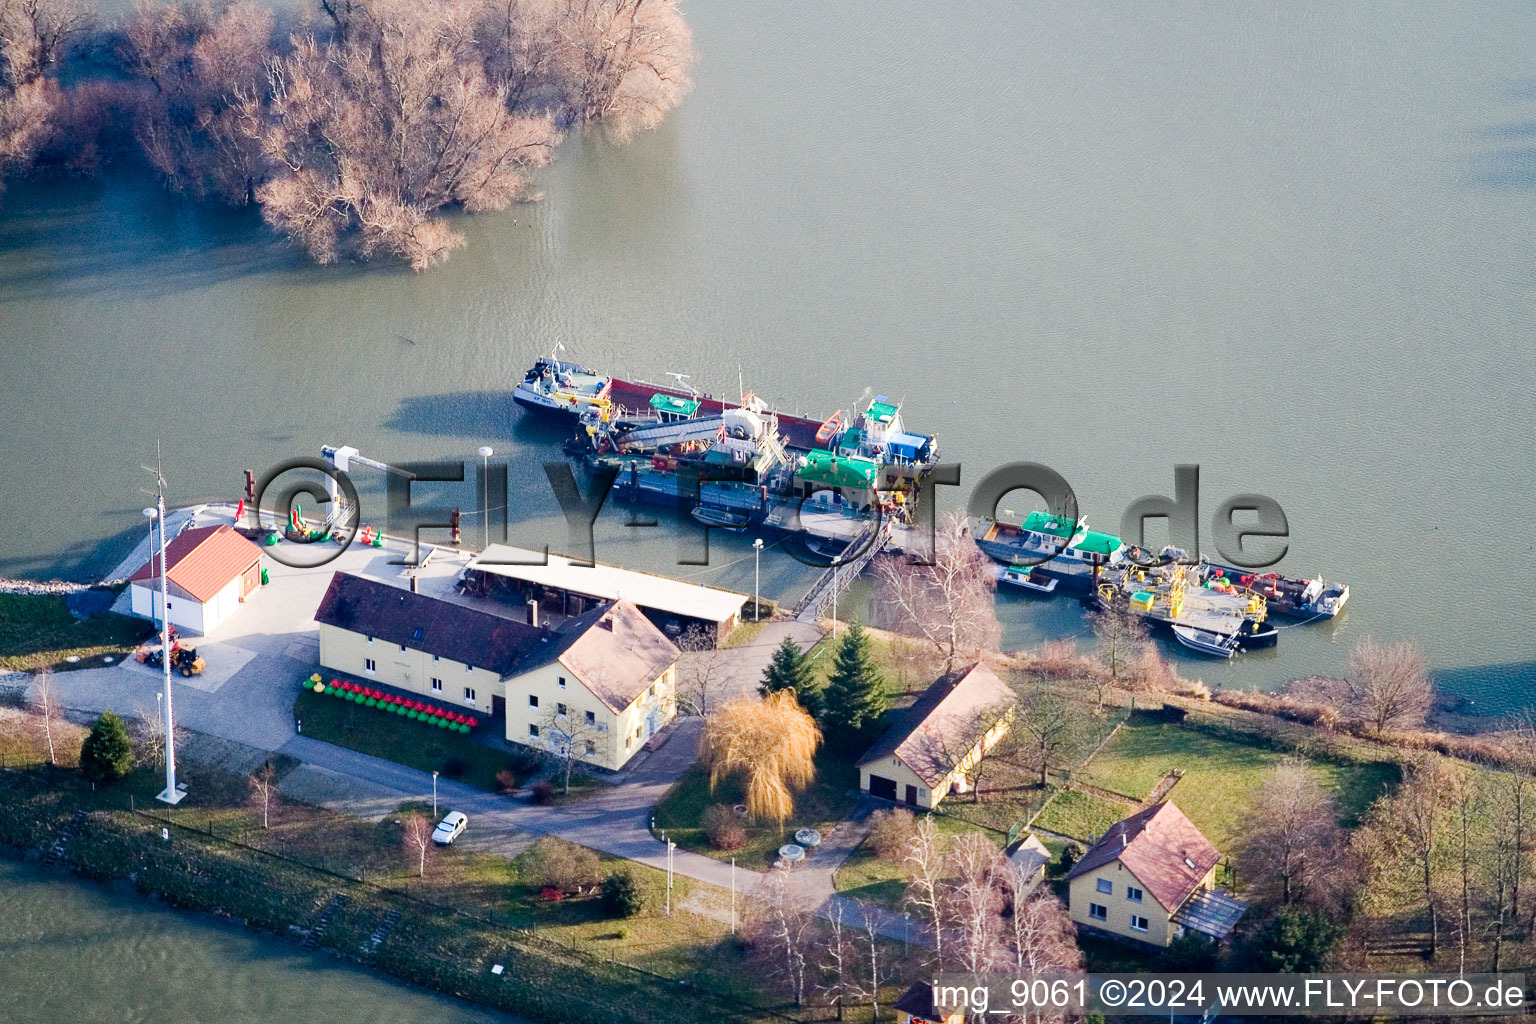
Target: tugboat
560	387
1054	546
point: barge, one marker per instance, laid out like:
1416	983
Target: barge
1215	621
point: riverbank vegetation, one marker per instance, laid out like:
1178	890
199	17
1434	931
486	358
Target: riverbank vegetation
353	126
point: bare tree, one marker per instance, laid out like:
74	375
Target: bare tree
1122	637
1418	810
925	866
263	783
974	899
372	134
571	737
34	34
838	959
626	62
785	928
45	699
1045	727
1039	937
1290	844
417	840
950	603
1390	684
702	682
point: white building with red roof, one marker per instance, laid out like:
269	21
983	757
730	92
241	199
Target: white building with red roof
210	571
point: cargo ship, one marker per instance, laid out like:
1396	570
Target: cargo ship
671	444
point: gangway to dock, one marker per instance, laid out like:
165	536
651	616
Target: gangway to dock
837	578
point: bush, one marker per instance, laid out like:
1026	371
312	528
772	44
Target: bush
455	767
506	782
724	829
1067	859
557	864
543	792
890	832
621	895
1190	953
107	754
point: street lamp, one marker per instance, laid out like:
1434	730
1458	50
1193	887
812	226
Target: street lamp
434	794
485	486
172	795
757	573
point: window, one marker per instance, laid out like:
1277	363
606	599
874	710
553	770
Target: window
560	682
560	710
591	748
1138	923
1105	885
591	718
416	635
368	665
469	668
1133	894
437	685
436	658
402	648
469	694
1098	912
370	639
533	700
533	730
627	742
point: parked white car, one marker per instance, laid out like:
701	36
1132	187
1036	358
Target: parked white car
450	828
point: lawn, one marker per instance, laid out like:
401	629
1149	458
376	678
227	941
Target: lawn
866	876
1080	815
370	731
822	805
1221	777
37	631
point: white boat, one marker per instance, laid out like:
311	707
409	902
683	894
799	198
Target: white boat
1029	578
558	386
1206	641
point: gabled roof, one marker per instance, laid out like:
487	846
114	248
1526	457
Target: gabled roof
202	561
929	736
429	624
1161	847
610	582
614	651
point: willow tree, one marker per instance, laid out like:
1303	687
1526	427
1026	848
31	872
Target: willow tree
772	742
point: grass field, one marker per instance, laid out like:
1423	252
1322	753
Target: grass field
1221	776
37	631
1080	815
822	805
370	731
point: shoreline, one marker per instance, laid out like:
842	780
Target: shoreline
445	951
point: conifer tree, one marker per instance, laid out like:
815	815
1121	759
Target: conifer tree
790	669
855	697
107	754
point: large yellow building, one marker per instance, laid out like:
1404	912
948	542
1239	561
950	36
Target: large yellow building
601	682
931	747
1151	877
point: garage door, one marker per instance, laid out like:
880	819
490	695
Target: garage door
885	788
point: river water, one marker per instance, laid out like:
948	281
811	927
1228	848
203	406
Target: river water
1290	242
81	954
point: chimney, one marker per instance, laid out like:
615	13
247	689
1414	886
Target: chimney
1124	842
607	622
533	613
413	583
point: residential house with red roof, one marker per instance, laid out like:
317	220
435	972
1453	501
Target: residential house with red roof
929	749
1150	878
210	571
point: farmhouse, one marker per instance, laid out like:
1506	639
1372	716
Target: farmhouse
930	747
211	570
601	682
1150	878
